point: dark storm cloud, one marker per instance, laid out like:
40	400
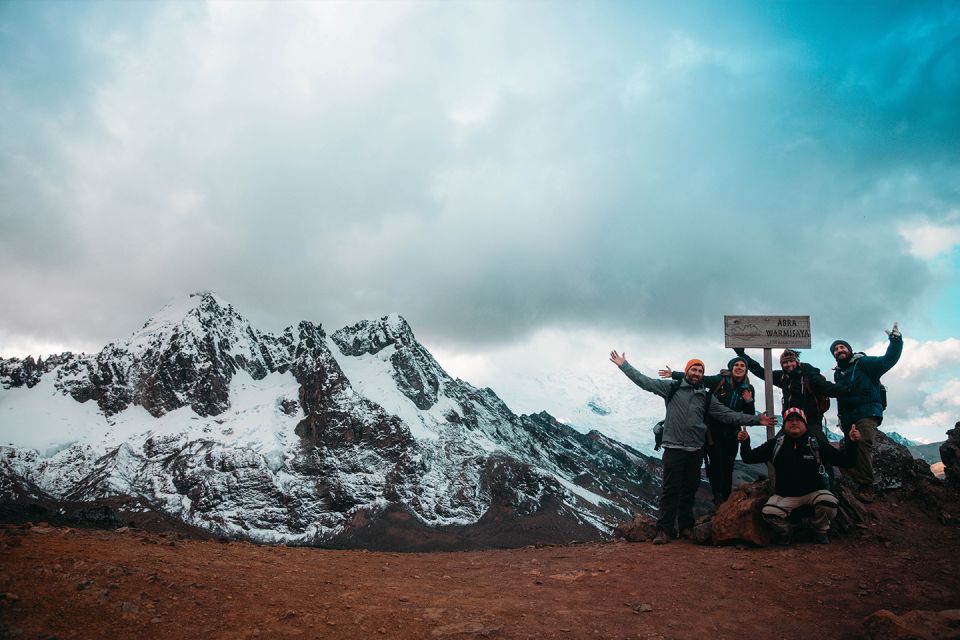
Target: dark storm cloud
615	167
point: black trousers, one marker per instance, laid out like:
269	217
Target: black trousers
721	455
681	478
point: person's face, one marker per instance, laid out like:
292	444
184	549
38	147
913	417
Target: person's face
694	374
789	365
739	370
840	352
794	426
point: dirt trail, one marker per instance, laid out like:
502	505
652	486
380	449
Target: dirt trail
74	583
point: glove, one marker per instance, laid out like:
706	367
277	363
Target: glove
894	333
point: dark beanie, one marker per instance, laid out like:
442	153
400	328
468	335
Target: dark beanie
843	342
734	361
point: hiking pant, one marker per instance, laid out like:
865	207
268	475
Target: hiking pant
721	454
777	510
681	479
862	471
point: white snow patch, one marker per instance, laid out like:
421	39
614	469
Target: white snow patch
46	420
371	375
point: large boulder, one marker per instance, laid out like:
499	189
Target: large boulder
894	467
950	455
740	518
913	625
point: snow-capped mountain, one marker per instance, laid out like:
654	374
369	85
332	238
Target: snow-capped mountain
902	440
356	438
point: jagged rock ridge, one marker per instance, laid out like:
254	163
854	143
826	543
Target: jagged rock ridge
355	438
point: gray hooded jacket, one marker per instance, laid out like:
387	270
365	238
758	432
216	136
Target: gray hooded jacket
684	427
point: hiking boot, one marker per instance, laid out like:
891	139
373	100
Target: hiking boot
865	493
661	537
687	534
821	537
782	539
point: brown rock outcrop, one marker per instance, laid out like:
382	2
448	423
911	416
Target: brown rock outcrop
913	625
950	455
739	519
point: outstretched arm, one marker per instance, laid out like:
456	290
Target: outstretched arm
826	388
659	387
728	416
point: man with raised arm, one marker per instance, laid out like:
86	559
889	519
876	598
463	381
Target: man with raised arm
864	408
684	434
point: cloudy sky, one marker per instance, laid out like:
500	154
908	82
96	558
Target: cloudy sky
529	184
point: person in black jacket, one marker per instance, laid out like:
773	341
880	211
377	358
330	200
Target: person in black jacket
734	390
801	384
798	459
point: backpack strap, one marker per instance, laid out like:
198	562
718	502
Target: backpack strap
674	386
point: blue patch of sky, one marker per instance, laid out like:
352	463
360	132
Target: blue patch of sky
945	315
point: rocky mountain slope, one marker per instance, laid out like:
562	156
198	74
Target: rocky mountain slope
354	438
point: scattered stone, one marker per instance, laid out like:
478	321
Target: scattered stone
156	620
641	529
458	628
129	607
738	567
12	597
645	607
290	614
83	584
703	532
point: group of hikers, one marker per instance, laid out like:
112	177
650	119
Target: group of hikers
706	418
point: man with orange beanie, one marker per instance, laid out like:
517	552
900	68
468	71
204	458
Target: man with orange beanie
684	435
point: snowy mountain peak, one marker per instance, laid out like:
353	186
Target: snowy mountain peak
195	312
304	436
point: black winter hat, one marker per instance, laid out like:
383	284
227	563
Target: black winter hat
734	361
843	342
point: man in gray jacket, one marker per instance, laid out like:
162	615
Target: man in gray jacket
684	434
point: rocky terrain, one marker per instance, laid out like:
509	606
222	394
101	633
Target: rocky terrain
356	438
130	583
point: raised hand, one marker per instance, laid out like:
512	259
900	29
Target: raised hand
747	396
854	434
666	372
742	435
618	359
894	332
767	420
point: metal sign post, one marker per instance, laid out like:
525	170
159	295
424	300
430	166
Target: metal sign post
768	386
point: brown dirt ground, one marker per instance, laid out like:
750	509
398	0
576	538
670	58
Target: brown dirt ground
82	583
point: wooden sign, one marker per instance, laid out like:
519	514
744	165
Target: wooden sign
766	332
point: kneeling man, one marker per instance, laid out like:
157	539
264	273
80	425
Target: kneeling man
798	459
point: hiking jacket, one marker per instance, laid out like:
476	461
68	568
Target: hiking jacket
796	393
727	391
684	427
797	470
861	373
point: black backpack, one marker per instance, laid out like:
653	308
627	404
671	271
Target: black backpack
658	428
